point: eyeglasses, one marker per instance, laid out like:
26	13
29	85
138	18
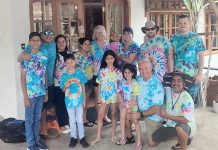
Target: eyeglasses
48	33
150	29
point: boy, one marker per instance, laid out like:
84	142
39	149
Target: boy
72	83
34	87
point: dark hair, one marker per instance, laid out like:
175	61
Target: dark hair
69	56
184	16
82	40
128	29
66	48
103	62
32	34
131	68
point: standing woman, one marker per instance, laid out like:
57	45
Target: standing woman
98	47
130	49
85	64
61	111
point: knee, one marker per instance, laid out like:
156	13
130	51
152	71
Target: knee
151	143
179	130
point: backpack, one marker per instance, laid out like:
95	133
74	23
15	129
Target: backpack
12	130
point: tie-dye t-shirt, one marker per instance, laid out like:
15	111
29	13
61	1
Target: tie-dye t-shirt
151	93
183	107
84	64
97	54
129	90
186	48
157	49
35	69
108	80
74	92
132	49
59	70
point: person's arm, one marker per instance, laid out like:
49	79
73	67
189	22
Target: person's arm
23	56
46	87
129	59
179	119
24	89
99	93
198	77
170	60
151	111
84	96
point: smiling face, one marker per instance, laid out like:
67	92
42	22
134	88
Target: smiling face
184	25
150	32
35	42
61	43
145	69
127	36
109	60
86	45
177	84
128	74
70	63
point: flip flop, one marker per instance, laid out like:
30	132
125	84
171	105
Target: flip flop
121	142
88	124
130	140
96	141
105	123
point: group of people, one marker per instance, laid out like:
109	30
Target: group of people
52	76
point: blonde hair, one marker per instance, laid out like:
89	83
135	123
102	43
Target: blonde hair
99	27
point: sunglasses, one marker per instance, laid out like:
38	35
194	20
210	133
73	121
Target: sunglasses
48	33
150	29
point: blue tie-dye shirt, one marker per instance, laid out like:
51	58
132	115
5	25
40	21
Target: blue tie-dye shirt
35	69
186	48
151	93
73	83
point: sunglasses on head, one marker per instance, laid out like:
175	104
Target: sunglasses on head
150	29
48	33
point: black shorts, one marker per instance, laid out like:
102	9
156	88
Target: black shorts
95	84
50	102
167	133
89	85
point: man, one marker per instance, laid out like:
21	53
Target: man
179	114
189	53
158	49
150	100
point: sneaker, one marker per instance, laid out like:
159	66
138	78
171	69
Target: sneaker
73	142
32	148
84	143
41	145
66	131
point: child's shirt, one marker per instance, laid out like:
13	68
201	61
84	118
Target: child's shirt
60	68
85	64
117	48
108	79
74	92
35	69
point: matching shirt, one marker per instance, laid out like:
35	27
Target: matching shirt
151	93
180	104
108	80
186	48
97	54
157	50
73	83
35	69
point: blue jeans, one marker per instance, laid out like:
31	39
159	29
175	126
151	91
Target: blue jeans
76	120
32	119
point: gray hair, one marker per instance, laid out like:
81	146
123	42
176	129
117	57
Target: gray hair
147	60
99	27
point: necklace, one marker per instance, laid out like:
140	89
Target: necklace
173	105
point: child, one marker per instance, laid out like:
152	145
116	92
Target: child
34	87
72	83
108	77
128	90
116	46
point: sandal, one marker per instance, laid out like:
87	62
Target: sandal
105	122
130	140
114	139
88	124
138	147
178	145
121	142
96	141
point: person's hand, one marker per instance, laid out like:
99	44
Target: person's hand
25	56
163	113
198	78
27	102
46	96
136	115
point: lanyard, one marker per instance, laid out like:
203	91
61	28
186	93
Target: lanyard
173	105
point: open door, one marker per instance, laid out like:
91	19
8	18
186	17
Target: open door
114	15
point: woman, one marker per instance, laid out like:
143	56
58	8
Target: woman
62	115
85	64
98	47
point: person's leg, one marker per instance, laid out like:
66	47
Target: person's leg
183	132
128	124
72	119
122	124
114	121
79	121
137	127
29	122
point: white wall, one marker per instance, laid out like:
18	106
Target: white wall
14	29
138	19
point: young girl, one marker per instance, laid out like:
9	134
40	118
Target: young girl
108	78
72	83
128	90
